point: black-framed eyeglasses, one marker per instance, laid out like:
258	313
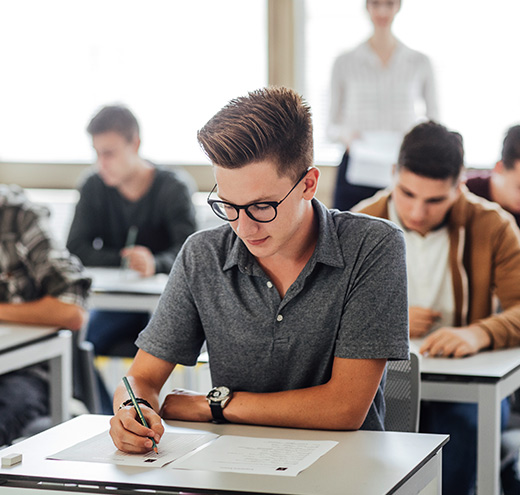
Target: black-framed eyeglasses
261	211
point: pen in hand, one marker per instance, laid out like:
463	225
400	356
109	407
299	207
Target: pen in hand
131	237
138	409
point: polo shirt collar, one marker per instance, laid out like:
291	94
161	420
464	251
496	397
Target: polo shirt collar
327	251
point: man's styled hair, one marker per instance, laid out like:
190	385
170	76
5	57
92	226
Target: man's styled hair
431	151
511	147
268	124
114	118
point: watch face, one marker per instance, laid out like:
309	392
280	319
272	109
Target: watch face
218	394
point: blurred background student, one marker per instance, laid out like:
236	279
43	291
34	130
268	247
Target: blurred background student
126	194
502	183
376	89
40	284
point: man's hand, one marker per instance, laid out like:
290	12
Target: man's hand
421	321
141	259
456	342
186	405
129	435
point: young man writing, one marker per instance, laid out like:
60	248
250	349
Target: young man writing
305	304
41	285
461	252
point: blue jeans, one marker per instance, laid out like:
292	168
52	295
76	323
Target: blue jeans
459	455
110	331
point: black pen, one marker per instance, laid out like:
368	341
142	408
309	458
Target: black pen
138	409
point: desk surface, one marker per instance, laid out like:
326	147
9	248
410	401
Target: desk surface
362	462
14	335
117	280
487	365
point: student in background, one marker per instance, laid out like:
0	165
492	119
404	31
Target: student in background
460	252
39	284
376	89
304	304
127	193
502	184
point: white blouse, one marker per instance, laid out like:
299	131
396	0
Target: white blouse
369	96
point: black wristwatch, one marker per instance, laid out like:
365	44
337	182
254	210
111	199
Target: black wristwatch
218	398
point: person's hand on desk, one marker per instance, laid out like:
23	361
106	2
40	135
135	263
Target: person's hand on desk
129	435
456	342
421	321
140	259
186	405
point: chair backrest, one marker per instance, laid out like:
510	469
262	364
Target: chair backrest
402	395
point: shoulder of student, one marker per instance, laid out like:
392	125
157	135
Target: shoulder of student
486	216
175	177
14	197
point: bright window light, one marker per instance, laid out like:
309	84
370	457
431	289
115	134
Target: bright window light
174	63
473	45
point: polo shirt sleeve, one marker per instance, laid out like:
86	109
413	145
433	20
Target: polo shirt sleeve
374	323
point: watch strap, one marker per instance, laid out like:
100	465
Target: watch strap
217	412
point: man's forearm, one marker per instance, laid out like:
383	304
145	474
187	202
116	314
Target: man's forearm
45	311
314	408
340	404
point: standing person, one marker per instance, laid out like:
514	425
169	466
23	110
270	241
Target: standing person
461	252
305	304
127	192
375	90
39	284
502	184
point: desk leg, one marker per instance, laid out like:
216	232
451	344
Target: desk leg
61	378
488	446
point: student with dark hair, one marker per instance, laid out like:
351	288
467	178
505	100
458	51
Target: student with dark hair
299	305
461	251
127	191
502	184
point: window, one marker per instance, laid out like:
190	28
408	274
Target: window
174	63
473	48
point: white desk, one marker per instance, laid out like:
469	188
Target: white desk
362	463
485	379
115	289
25	345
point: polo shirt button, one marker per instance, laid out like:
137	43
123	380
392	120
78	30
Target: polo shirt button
279	318
269	284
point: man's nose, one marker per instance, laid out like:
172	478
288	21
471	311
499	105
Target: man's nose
418	211
245	226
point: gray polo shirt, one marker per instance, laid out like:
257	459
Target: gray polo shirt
349	302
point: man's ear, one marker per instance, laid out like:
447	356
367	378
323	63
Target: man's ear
499	167
136	143
311	183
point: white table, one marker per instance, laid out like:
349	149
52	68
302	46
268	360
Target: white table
485	378
25	345
115	289
364	462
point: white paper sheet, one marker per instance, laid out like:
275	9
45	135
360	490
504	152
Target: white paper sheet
371	158
255	455
100	448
